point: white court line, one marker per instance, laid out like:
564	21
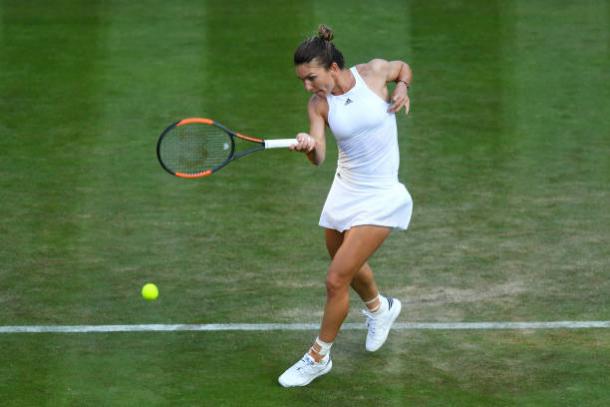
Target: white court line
401	326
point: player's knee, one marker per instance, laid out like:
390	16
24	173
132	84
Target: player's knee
335	284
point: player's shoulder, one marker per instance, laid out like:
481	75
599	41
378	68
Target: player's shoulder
378	63
318	103
375	68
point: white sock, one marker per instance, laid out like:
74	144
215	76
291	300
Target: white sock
383	305
321	348
324	346
369	302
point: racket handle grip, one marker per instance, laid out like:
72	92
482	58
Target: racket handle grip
280	143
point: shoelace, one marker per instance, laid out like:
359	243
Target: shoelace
308	363
370	321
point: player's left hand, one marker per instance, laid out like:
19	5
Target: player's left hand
400	99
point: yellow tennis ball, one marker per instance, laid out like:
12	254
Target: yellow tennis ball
150	292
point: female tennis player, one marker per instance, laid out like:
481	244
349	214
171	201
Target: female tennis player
366	200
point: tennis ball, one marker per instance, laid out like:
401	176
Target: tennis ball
150	292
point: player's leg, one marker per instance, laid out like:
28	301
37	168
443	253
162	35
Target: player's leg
363	282
356	246
359	243
381	311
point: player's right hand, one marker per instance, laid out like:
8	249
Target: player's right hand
305	143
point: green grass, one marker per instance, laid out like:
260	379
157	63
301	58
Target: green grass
226	369
506	153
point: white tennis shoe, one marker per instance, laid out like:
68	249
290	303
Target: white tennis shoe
379	324
305	370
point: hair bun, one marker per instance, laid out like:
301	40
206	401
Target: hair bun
325	33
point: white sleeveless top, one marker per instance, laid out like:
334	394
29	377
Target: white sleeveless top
366	134
365	190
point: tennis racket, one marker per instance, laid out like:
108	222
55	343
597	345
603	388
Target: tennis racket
193	148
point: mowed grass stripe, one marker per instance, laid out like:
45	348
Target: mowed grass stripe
402	326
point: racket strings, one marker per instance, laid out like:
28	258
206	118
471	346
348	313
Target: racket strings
194	148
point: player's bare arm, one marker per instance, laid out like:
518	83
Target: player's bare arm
314	143
379	72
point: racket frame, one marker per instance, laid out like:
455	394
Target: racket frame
233	155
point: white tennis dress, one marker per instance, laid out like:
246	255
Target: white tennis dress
366	190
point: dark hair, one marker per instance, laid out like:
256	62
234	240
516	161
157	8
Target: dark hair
320	48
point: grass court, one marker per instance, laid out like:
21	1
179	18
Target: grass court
506	153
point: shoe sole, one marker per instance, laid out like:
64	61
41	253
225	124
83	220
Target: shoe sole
322	373
398	307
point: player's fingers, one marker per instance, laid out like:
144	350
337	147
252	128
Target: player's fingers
299	144
304	143
397	103
311	144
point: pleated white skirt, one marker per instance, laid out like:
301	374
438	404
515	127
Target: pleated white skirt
366	202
